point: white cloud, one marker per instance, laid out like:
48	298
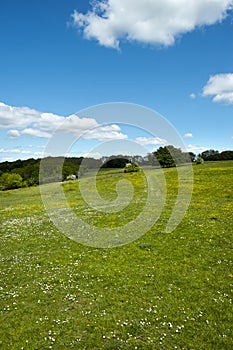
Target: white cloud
7	159
22	117
189	135
95	155
16	150
16	117
26	121
35	133
13	134
49	121
78	125
196	149
146	141
193	96
29	132
220	87
40	154
150	21
105	133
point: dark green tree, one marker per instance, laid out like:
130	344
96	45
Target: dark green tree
170	156
164	157
209	153
115	163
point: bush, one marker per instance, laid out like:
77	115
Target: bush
10	181
132	167
200	160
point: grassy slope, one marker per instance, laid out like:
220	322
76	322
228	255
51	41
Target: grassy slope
164	291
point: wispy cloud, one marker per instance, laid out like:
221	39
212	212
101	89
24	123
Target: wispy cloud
15	150
152	22
10	154
220	88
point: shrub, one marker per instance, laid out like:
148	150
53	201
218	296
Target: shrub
132	167
10	181
200	160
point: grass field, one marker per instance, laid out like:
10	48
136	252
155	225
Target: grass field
162	291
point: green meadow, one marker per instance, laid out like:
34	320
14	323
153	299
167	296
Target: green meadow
162	291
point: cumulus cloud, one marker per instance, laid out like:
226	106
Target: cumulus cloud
105	133
220	88
196	149
16	117
153	22
189	135
49	121
25	121
146	141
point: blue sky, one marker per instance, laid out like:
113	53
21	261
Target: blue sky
169	56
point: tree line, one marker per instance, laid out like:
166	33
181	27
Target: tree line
23	173
212	155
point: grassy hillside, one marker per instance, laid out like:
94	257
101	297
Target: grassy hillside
162	291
